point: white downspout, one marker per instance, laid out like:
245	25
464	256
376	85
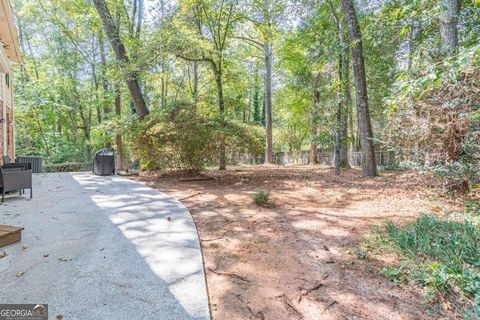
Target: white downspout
4	115
12	106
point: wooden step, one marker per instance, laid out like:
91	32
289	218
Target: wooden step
9	235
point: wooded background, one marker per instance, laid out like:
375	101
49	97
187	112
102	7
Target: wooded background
181	83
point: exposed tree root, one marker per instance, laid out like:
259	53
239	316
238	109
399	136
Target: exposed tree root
229	274
290	306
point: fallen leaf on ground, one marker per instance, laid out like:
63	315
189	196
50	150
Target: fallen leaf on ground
20	273
3	254
64	259
329	305
295	249
45	255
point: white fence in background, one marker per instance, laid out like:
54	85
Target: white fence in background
326	157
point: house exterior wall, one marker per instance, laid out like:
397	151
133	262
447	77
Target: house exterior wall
9	55
7	127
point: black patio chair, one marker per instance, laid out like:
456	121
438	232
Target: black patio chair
22	166
17	166
15	178
8	163
6	160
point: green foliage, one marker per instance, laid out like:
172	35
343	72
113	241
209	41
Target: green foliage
361	254
184	140
66	90
438	254
183	143
454	242
445	95
68	167
261	197
393	274
473	206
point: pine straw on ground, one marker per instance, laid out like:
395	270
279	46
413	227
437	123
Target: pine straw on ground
294	260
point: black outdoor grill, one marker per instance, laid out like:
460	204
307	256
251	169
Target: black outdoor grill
104	162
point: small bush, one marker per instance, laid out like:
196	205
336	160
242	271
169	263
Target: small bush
359	253
68	167
393	274
261	197
437	254
446	95
451	242
182	139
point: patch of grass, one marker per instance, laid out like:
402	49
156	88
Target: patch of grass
361	254
441	255
394	274
473	206
261	198
215	245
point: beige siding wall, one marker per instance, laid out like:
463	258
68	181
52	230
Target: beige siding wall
6	91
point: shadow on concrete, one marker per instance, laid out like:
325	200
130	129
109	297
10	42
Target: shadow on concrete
103	248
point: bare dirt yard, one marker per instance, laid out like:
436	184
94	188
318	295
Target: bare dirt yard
294	260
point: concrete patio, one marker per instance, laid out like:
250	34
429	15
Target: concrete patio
103	248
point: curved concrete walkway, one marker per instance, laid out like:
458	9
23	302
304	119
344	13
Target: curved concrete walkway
116	250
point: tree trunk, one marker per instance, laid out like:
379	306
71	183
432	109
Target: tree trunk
103	60
139	18
246	110
118	136
336	155
85	116
346	100
411	36
163	84
338	118
95	85
195	82
369	168
449	10
217	71
113	34
86	122
344	103
256	97
34	60
23	41
351	126
268	103
314	129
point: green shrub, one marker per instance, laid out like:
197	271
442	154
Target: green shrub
393	274
261	197
439	254
68	167
473	206
178	138
361	254
453	242
446	94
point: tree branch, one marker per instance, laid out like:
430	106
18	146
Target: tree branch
251	41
